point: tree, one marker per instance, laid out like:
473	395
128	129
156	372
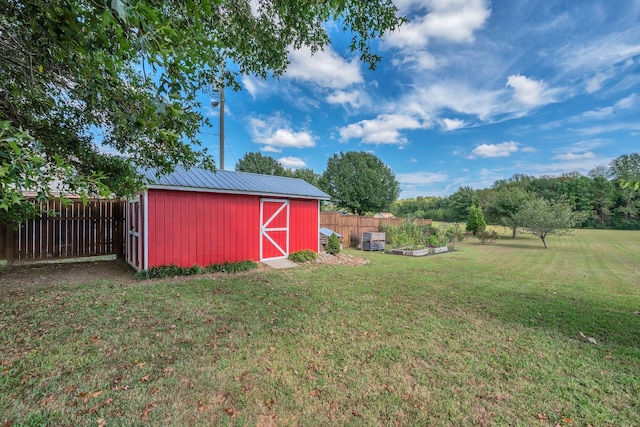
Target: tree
80	75
306	174
506	204
461	201
475	221
542	218
258	163
359	182
626	168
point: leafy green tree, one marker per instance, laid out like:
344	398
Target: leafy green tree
306	174
542	218
88	77
476	221
506	204
259	163
461	201
626	168
359	182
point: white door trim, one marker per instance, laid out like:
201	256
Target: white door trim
265	229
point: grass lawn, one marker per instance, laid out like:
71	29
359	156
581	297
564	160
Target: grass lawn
488	335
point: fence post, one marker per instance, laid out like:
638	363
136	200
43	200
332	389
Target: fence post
118	229
8	242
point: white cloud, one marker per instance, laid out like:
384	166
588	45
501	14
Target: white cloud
573	157
529	92
324	68
494	150
353	98
623	104
292	162
451	20
421	178
452	124
254	85
595	83
275	133
384	129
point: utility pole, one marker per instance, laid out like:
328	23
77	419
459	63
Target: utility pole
216	104
222	127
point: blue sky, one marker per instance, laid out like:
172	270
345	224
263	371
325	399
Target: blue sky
468	92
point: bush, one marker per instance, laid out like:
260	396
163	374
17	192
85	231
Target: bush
173	270
333	245
476	222
303	256
487	235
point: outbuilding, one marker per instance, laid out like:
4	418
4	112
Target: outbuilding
198	217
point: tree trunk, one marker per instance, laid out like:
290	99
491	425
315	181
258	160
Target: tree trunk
544	242
513	235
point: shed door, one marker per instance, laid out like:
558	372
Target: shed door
274	228
134	238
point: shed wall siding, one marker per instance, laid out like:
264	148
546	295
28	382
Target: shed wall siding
187	228
303	225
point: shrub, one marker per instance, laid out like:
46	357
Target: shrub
303	256
487	235
333	245
476	221
173	270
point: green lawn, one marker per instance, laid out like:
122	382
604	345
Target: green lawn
488	335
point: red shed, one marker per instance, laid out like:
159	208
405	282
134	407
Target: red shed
201	217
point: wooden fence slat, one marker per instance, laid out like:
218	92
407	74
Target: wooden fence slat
351	227
76	230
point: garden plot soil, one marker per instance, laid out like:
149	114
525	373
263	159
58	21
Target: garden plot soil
115	271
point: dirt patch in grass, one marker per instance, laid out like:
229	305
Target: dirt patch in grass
340	259
116	271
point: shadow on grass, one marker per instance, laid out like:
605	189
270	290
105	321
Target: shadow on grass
606	322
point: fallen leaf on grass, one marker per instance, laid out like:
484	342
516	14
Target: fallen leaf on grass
102	422
145	413
592	340
46	400
108	401
145	378
201	406
230	411
89	395
356	413
9	423
154	390
541	416
567	421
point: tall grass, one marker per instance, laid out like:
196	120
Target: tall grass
487	335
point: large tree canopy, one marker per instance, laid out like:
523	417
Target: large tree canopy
259	163
359	182
543	218
94	82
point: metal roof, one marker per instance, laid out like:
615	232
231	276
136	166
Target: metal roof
328	232
233	182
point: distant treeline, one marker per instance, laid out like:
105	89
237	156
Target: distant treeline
599	196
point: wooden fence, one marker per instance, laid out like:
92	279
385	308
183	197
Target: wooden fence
351	227
72	231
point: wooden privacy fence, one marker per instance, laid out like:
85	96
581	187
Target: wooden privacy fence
72	231
351	227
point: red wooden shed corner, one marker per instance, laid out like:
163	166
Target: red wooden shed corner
198	217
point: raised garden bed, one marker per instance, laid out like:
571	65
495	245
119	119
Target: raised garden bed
419	252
